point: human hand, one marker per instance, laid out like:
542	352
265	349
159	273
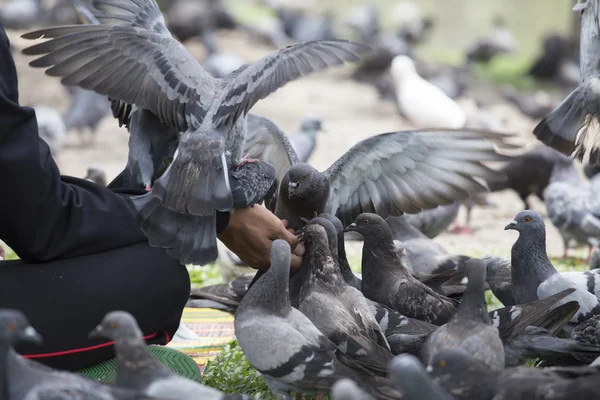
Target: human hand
250	233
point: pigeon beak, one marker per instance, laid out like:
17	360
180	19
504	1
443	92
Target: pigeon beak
511	225
96	333
31	335
351	227
292	188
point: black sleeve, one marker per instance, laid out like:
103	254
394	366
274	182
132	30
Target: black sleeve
44	215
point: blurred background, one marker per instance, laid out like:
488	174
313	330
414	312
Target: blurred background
505	64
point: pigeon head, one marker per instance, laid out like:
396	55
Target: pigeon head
281	256
527	221
118	325
303	182
368	224
409	376
330	231
314	233
339	227
402	66
15	328
311	125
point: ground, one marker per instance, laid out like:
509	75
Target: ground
350	111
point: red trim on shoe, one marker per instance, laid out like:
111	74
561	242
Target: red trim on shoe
66	352
167	337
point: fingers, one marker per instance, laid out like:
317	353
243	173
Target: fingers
296	262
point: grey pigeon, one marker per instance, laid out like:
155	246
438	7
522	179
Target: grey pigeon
338	310
301	27
305	360
529	173
497	276
26	379
96	175
346	389
434	221
426	256
180	99
534	277
140	370
562	128
377	174
500	40
305	141
386	280
535	342
573	205
470	329
408	374
534	105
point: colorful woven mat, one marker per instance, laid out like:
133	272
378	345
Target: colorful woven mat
215	329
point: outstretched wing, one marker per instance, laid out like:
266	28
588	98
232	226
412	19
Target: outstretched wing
135	62
405	172
256	81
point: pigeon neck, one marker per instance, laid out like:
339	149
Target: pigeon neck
270	293
379	246
530	265
343	260
134	361
320	263
472	305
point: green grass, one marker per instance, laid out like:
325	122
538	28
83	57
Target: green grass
205	276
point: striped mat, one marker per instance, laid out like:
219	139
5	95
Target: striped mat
215	329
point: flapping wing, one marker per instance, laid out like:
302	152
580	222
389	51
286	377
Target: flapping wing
257	81
130	64
405	172
144	14
265	141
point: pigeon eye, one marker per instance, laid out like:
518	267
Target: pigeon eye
442	363
112	325
366	222
527	219
12	326
304	177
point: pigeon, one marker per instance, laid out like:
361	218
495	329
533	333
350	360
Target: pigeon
533	105
96	175
413	26
87	110
561	128
462	376
188	19
426	256
221	64
534	277
409	376
338	310
303	28
529	173
305	141
347	389
498	272
51	127
305	360
140	370
26	379
500	40
377	174
550	65
470	329
386	280
180	99
573	206
434	221
535	342
422	103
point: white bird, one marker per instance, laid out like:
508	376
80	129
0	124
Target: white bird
421	102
